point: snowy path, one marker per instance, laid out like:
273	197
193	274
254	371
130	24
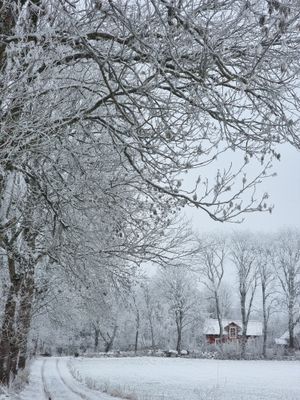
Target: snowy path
50	379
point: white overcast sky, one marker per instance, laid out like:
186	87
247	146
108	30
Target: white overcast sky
284	191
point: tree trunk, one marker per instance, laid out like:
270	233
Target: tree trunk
150	319
8	20
35	347
244	325
219	317
109	343
179	339
179	332
243	343
24	319
136	340
137	320
291	326
152	335
8	334
265	321
96	338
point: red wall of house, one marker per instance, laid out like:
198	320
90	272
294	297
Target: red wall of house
211	339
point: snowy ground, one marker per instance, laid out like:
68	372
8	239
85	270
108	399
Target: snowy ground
190	379
149	378
50	379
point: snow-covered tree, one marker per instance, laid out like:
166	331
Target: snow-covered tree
158	87
286	259
267	282
150	302
243	256
178	287
211	269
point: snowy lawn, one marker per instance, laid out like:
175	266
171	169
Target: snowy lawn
191	379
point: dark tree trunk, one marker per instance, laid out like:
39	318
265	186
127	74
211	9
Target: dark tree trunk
137	328
8	342
96	338
219	317
179	321
136	342
245	311
9	339
109	343
244	324
243	345
16	324
291	328
265	321
24	318
35	347
7	24
179	339
108	339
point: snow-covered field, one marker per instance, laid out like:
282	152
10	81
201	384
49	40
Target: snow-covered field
191	379
149	378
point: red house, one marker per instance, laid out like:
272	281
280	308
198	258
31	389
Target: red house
232	330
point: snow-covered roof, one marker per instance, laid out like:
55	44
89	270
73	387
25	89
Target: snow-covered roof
211	327
281	342
284	339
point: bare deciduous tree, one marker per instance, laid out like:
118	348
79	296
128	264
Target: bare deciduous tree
243	257
177	286
150	309
286	259
164	87
267	281
212	258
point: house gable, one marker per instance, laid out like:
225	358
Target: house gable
232	330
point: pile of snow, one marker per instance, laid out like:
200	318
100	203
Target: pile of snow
4	395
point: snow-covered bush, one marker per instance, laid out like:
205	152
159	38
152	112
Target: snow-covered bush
21	380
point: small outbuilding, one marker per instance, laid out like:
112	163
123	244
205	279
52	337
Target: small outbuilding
283	340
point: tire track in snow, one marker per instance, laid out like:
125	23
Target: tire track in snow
57	384
66	388
48	395
70	388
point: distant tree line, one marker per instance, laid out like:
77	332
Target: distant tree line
244	276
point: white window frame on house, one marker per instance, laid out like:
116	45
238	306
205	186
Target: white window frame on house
232	328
